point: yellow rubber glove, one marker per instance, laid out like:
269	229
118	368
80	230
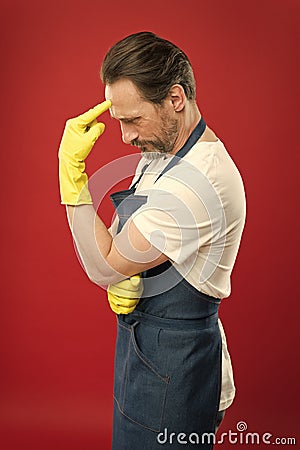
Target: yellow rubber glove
78	139
125	295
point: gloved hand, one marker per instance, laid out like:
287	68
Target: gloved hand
79	136
125	295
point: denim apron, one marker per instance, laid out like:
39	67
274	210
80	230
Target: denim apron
167	375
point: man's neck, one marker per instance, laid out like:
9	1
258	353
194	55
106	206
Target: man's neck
187	124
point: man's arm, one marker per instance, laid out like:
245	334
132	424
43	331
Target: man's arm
108	260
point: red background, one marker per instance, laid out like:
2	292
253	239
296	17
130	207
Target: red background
57	331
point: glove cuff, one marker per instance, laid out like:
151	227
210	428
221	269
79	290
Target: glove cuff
73	183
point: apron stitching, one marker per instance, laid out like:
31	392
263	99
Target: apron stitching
132	420
126	378
166	324
125	328
137	352
164	402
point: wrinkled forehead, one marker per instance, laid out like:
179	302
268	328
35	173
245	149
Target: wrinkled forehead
126	99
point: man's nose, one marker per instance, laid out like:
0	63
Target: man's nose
129	133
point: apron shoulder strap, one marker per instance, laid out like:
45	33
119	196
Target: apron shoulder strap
194	137
139	178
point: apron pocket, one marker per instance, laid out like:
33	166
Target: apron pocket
145	388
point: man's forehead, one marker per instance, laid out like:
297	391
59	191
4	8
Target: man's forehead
122	88
127	103
124	112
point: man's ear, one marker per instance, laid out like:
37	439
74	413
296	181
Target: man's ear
177	97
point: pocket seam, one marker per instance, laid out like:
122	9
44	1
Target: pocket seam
165	379
126	365
138	423
121	400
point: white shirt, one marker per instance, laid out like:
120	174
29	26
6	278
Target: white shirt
195	214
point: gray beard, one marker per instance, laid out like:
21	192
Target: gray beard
150	156
163	145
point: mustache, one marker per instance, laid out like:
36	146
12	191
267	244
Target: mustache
157	144
138	143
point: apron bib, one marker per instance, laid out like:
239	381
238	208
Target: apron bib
167	376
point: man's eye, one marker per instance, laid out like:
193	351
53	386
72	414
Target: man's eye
137	121
133	121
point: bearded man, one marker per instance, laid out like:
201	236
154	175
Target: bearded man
169	254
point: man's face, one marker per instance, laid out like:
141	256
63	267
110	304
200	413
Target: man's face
152	128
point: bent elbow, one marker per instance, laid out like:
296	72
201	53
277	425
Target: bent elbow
102	279
97	278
